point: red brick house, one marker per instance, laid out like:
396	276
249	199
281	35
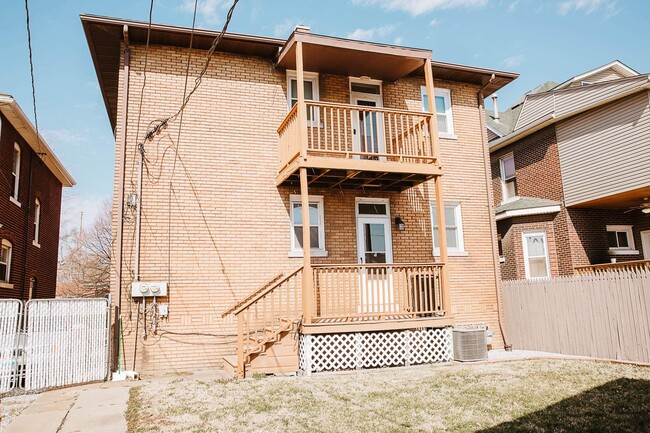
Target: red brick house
571	174
31	181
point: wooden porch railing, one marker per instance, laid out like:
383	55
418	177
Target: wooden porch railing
377	291
352	131
265	315
633	265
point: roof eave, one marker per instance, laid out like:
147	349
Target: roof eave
12	111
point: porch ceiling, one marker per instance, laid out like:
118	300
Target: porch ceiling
325	54
357	180
627	199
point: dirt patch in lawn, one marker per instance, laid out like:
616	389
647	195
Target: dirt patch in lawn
533	396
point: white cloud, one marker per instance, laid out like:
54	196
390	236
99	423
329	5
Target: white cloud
608	7
372	33
433	22
210	12
398	40
512	6
63	137
419	7
73	205
513	61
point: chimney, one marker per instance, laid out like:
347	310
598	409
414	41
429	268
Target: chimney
495	106
300	28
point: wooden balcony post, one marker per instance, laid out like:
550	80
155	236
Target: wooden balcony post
307	276
431	98
302	108
437	182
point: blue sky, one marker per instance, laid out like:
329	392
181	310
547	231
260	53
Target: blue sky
541	40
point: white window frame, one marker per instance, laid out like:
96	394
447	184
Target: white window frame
7	244
296	250
504	188
458	216
14	197
307	76
630	249
449	118
37	223
524	245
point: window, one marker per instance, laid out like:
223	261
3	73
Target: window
311	89
33	286
316	226
5	261
37	222
443	111
508	177
454	226
15	175
536	255
620	240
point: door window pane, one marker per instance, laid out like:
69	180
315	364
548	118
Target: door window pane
375	237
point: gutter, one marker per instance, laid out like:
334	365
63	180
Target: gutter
496	264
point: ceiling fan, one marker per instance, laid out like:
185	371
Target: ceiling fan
644	207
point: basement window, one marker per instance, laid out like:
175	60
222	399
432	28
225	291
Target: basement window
620	240
316	226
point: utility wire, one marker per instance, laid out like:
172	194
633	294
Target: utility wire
197	82
31	69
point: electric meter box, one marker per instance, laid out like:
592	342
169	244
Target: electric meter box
148	289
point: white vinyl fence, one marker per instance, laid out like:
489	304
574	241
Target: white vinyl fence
601	315
58	342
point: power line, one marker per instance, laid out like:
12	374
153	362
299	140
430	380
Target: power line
31	68
197	82
144	83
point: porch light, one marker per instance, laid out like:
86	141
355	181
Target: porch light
644	210
399	223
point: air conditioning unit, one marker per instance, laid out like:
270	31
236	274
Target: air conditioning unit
148	289
470	344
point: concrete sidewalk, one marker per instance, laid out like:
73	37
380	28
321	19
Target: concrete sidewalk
97	408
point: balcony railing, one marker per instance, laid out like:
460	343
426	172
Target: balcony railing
633	265
357	132
377	291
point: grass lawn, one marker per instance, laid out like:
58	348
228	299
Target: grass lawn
528	396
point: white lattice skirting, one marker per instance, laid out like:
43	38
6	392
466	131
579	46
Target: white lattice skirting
330	352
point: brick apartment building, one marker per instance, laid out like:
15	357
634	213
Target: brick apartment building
353	153
571	174
30	190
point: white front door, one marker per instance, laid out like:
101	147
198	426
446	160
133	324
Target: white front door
368	126
645	243
374	246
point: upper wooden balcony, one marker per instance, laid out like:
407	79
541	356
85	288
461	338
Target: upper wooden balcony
351	146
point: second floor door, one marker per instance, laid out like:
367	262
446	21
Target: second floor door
368	123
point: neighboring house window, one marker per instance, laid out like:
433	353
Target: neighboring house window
33	286
443	111
5	261
508	177
311	90
536	259
15	174
454	230
502	258
37	222
316	226
620	240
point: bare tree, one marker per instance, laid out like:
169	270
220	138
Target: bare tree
85	262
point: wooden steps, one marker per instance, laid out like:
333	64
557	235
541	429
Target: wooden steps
279	355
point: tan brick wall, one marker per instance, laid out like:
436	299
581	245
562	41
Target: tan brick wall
218	227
